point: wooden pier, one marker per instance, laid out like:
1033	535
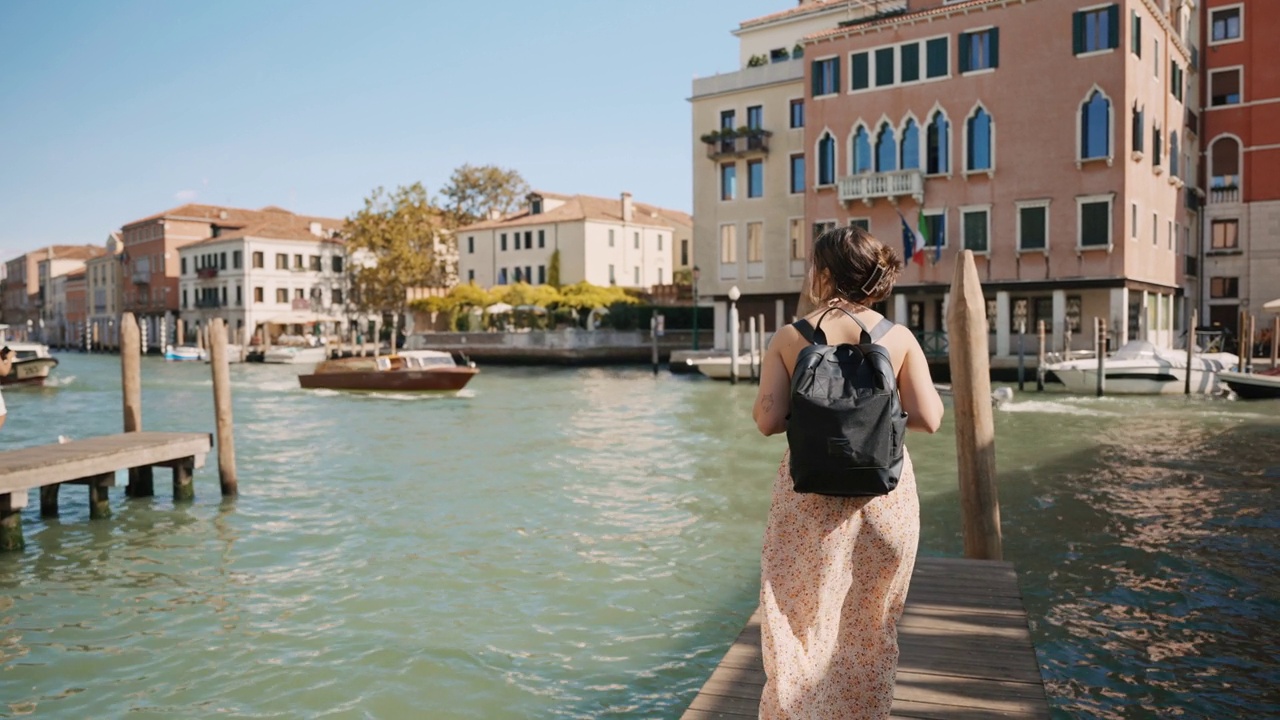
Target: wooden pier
94	462
966	652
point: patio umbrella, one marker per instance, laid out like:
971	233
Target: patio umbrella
1273	306
499	308
535	309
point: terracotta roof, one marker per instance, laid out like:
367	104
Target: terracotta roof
897	18
812	7
587	207
69	252
76	274
278	228
231	217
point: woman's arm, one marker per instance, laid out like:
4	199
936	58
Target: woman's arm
915	386
773	401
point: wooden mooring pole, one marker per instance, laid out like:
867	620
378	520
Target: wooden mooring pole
222	407
1191	348
140	479
1248	348
975	427
1100	349
1275	341
751	346
1040	359
653	338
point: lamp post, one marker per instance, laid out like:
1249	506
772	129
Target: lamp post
734	336
696	273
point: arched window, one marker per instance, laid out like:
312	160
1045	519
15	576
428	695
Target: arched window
938	153
861	151
910	146
1173	153
1224	164
1095	127
886	149
826	159
979	141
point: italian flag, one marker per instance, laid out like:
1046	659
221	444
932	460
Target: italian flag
922	230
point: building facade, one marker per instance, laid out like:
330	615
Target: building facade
22	299
53	273
103	294
602	241
1046	136
1240	91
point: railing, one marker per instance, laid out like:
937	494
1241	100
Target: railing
1225	194
205	273
208	303
868	186
755	141
933	342
141	277
1192	267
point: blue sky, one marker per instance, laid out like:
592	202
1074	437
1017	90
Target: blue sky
110	111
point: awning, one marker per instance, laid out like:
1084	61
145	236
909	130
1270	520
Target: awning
1273	306
299	317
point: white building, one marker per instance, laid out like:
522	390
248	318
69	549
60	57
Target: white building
605	242
287	277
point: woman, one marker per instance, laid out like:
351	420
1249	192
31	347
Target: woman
835	570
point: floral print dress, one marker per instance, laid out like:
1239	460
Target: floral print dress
834	577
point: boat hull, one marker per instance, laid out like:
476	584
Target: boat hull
445	379
1137	381
718	368
294	356
30	372
1249	386
184	353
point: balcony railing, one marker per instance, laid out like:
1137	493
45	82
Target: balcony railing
933	342
1224	194
205	273
736	143
205	303
141	277
869	186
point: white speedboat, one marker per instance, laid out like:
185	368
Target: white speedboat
184	353
1253	386
718	368
294	355
1140	368
32	364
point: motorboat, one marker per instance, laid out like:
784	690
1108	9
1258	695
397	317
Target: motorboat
410	370
32	364
294	354
185	353
1140	368
1253	386
719	367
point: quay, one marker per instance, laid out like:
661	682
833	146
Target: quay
966	652
94	462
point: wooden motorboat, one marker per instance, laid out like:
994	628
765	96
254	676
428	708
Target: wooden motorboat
409	371
1253	386
31	364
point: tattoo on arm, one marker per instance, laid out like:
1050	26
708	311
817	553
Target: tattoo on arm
766	402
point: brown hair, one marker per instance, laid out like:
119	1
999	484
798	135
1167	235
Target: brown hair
851	264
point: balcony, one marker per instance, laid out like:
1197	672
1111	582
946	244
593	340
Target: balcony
141	277
1224	194
736	143
1192	267
206	273
208	303
869	186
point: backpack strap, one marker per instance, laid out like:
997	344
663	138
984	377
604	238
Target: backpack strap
803	327
881	329
866	334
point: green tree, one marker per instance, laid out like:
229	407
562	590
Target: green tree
553	270
394	243
475	190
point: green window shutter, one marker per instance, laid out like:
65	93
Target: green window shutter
815	68
963	45
835	75
1135	24
859	69
910	60
995	47
1077	33
1113	26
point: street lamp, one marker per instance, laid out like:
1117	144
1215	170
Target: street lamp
696	273
734	336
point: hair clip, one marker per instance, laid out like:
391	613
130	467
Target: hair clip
874	281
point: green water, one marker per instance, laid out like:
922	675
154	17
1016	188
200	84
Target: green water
585	544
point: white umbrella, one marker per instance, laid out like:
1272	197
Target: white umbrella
532	308
499	308
1273	306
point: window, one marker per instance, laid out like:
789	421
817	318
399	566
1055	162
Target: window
884	67
1224	287
975	224
610	237
1033	226
224	296
535	206
797	113
542	238
659	242
1224	87
795	233
1225	24
937	153
821	227
236	259
337	263
826	77
1173	153
297	262
184	299
728	244
635	243
1175	80
1095	127
797	173
298	293
861	151
1155	56
282	295
1155	229
1225	234
862	222
613	279
337	292
909	62
684	253
282	261
239	296
979	50
727	119
1135	33
315	263
886	149
257	260
755	117
1094	221
222	261
471	245
528	239
1095	30
978	141
860	71
755	178
910	146
1156	146
937	58
1139	127
728	182
183	267
1133	221
635	273
826	160
1224	164
755	242
503	242
502	276
542	274
1171	235
257	294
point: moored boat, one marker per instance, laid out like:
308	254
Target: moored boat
1140	368
409	371
184	353
1253	386
32	364
719	367
294	354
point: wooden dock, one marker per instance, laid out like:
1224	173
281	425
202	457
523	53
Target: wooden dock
966	652
94	462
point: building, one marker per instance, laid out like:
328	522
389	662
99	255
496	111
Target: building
1241	130
603	241
1047	136
150	282
53	272
74	316
277	270
750	170
103	293
22	300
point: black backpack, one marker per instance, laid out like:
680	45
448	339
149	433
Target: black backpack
846	425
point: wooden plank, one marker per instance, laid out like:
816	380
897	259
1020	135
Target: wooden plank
31	467
966	652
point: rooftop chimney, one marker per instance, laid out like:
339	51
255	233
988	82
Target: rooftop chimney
628	209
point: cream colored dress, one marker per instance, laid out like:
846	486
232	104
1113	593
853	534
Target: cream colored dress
834	577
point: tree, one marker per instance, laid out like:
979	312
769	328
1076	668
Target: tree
394	243
475	190
553	270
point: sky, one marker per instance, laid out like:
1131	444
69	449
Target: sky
111	111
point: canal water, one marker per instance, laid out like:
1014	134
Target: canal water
561	543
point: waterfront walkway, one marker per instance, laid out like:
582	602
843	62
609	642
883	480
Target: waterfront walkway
966	652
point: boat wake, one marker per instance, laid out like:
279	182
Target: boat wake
1050	407
58	381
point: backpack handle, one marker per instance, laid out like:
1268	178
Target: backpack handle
815	336
821	337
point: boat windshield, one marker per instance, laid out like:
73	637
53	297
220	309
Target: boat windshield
1136	350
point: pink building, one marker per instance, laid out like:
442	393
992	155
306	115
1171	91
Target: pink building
1046	136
